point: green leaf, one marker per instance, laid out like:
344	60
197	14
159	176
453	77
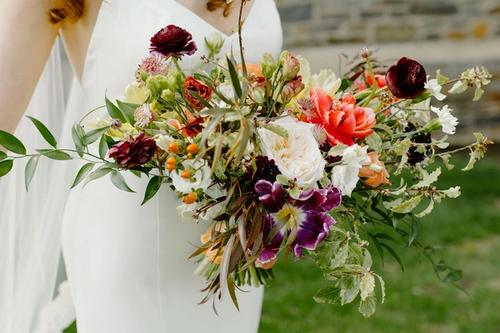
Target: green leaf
232	293
5	167
82	173
54	154
11	143
114	112
92	136
118	180
367	285
404	207
374	142
478	93
127	109
3	156
368	306
428	178
152	188
276	129
103	147
328	295
99	173
77	133
234	77
44	131
30	169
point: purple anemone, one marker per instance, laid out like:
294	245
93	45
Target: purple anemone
306	219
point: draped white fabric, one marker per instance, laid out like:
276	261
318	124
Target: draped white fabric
30	221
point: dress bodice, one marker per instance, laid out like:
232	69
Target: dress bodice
123	29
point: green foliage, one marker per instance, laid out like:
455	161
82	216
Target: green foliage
11	143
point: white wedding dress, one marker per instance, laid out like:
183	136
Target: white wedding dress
127	265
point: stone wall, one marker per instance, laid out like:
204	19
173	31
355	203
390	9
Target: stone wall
323	22
447	34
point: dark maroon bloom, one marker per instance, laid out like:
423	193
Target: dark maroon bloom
406	79
414	156
193	86
173	41
271	195
266	169
133	152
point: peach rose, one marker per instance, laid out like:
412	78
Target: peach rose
375	173
214	253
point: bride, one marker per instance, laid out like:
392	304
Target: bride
126	265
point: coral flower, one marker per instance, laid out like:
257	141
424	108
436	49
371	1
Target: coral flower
255	74
344	122
191	86
375	173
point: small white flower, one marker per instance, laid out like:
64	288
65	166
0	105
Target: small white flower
226	89
435	89
200	178
346	175
163	141
446	119
298	157
143	116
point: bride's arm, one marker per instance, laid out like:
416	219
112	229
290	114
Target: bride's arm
26	39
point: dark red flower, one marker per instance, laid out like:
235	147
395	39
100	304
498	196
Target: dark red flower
173	41
133	152
191	85
406	79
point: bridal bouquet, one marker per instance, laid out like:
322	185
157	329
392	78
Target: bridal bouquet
277	161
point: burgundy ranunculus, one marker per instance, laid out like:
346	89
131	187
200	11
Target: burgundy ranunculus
173	41
406	79
133	152
191	85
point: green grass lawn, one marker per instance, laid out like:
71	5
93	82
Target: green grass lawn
467	231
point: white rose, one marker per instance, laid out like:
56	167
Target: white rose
136	93
297	157
200	177
346	175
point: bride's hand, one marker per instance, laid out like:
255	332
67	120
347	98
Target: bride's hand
26	39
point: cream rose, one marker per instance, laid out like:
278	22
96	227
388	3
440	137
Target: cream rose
298	157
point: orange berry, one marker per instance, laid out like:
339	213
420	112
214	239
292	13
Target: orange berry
190	198
190	156
185	174
174	147
170	167
171	160
192	148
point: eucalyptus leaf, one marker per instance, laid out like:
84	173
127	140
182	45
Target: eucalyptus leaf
127	109
119	181
277	129
114	112
103	147
11	143
5	167
92	136
44	131
55	154
30	169
152	188
77	134
82	173
99	173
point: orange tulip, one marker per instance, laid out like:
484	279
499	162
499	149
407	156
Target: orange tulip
375	173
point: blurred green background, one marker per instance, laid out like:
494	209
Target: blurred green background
466	232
